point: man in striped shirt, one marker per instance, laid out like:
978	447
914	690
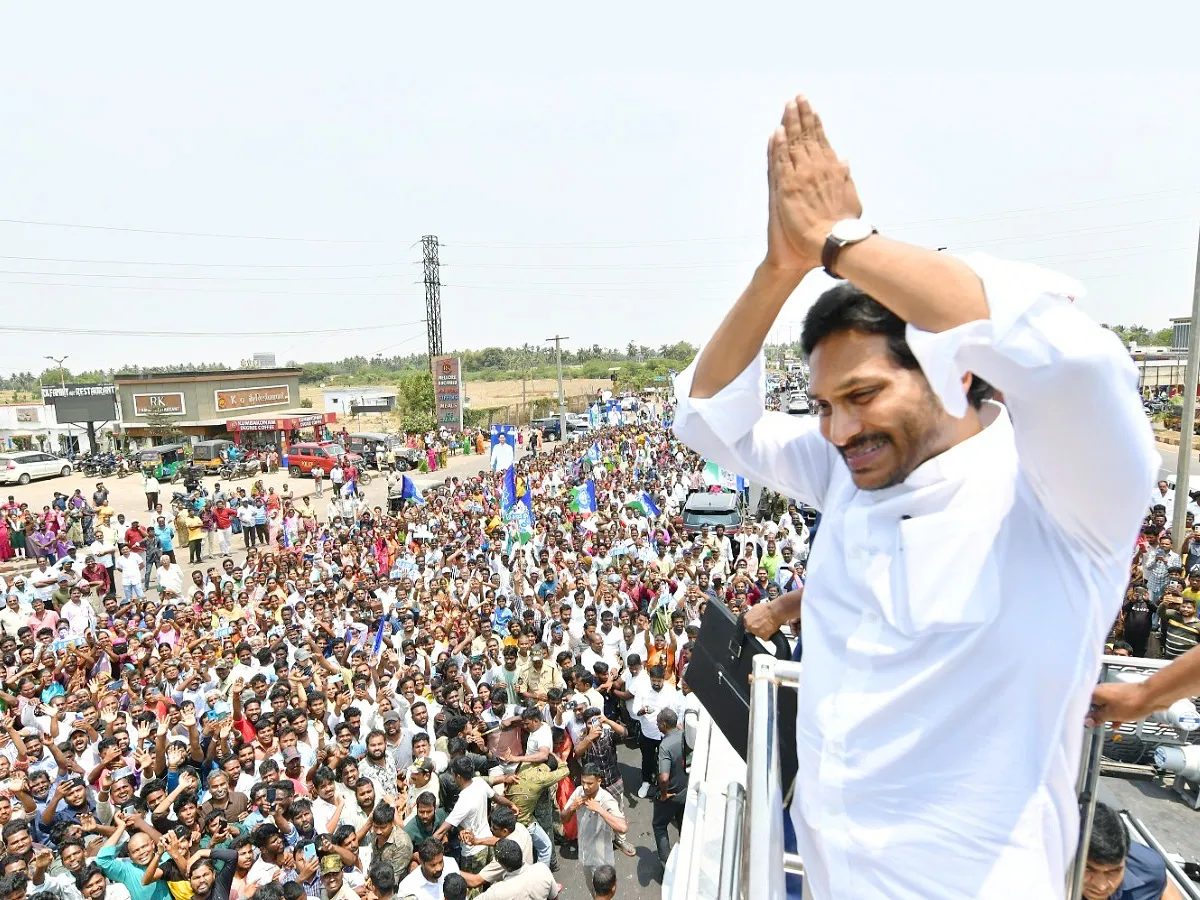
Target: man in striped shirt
1182	629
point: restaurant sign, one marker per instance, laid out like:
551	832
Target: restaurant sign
162	404
250	398
447	391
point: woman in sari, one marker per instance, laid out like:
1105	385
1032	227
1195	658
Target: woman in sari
6	545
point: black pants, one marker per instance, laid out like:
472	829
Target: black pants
248	536
261	533
112	581
666	812
151	500
650	759
194	555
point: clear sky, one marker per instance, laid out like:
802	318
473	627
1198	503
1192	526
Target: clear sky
592	170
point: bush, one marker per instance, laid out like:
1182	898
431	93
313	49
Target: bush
305	403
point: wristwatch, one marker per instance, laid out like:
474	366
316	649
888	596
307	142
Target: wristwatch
844	233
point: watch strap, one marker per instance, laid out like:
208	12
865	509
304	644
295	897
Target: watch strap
833	247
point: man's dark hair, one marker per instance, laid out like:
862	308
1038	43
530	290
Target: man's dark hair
1110	841
383	878
508	854
269	891
454	887
503	818
430	848
383	814
462	768
845	307
604	881
293	890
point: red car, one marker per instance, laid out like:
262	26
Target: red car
303	458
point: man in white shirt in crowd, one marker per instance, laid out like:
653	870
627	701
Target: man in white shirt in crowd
77	614
949	523
130	565
647	705
170	579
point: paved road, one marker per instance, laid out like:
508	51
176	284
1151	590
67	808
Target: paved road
639	877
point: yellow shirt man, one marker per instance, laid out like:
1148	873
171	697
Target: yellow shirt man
195	528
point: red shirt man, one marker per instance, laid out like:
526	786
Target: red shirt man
223	515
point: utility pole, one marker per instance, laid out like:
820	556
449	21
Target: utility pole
62	382
562	403
524	373
1187	419
433	295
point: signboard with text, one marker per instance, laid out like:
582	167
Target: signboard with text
251	398
163	404
82	402
447	391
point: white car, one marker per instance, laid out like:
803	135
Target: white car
22	466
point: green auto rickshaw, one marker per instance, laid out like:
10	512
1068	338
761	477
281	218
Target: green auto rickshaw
163	461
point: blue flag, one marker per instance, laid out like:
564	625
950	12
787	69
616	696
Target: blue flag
379	635
644	504
408	491
583	498
593	454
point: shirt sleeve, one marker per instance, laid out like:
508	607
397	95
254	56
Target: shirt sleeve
734	429
1083	441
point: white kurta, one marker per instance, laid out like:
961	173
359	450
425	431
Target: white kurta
953	624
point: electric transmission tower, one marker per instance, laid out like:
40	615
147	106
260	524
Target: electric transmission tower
433	295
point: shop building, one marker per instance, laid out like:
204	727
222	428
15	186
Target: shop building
34	425
357	401
252	407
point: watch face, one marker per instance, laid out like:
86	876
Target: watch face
850	230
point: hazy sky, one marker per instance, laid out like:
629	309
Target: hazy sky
594	171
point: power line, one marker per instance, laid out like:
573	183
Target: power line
201	234
112	332
200	290
209	277
190	265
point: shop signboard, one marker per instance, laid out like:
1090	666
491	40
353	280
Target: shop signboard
252	425
82	402
169	404
251	398
447	391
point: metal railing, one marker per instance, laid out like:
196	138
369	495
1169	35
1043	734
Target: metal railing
752	845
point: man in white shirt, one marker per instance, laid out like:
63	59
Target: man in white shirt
470	811
426	880
131	565
170	579
949	523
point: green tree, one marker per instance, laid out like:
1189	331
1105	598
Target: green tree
162	425
415	400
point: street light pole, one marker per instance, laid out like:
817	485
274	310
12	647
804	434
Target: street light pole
562	403
1187	416
62	382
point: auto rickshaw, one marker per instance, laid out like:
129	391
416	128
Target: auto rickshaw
210	454
162	461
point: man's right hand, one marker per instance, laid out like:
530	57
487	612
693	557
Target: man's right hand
762	620
1119	703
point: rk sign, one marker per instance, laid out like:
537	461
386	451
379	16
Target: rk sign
158	404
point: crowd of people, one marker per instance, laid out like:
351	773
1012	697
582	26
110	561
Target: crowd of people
1158	617
416	698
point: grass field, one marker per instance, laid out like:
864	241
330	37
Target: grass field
487	394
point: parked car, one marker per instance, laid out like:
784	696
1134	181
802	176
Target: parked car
550	428
22	466
304	457
712	510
